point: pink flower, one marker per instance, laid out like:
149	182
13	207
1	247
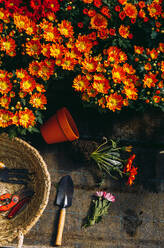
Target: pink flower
109	197
100	193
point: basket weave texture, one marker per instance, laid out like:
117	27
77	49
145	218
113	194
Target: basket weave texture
16	153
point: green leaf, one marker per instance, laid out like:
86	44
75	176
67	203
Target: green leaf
153	34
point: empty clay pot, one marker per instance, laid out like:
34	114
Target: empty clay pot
60	128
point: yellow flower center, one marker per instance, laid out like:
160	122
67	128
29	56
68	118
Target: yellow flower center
3	85
64	31
5	118
26	84
37	101
6	45
116	75
1	15
25	118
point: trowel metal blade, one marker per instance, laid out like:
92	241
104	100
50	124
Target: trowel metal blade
65	192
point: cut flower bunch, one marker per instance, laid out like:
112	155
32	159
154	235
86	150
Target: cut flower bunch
99	208
115	160
98	41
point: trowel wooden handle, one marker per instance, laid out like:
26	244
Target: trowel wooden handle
60	226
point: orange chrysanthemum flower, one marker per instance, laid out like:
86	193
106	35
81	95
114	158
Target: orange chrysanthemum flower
5	85
34	68
153	53
147	67
100	83
5	118
26	118
8	45
5	101
154	9
15	118
27	84
130	10
150	80
46	69
130	91
98	22
124	31
20	21
46	50
161	47
105	11
3	74
80	83
66	29
44	24
89	64
68	63
114	102
122	57
141	4
87	1
141	13
83	44
52	34
91	92
4	15
21	73
31	28
156	99
40	88
113	54
33	47
118	74
138	49
57	50
38	100
161	84
102	102
123	2
162	66
128	68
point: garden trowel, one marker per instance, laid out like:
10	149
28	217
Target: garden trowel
64	200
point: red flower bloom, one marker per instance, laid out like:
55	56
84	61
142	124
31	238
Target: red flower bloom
130	10
133	20
112	31
122	15
35	4
97	3
69	7
80	24
142	4
85	11
146	19
105	11
156	99
130	36
117	8
91	12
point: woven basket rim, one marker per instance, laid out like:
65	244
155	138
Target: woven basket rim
43	165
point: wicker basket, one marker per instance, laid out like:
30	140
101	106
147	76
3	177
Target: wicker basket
16	153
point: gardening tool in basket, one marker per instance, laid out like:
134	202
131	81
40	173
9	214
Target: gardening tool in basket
14	203
16	176
64	200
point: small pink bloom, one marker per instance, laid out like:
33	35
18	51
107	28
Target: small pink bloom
100	193
109	197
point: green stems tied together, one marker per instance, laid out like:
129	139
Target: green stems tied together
99	208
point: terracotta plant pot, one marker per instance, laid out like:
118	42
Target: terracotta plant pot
60	128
